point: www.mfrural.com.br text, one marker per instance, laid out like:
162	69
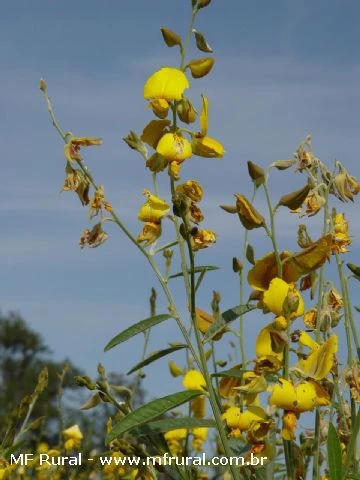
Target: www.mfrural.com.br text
42	459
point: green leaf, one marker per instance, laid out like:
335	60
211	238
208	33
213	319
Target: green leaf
155	356
334	454
201	42
151	410
225	318
231	372
135	329
167	424
355	269
200	269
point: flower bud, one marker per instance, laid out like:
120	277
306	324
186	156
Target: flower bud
237	265
250	254
283	164
257	174
186	111
175	370
170	38
42	85
135	143
201	66
294	200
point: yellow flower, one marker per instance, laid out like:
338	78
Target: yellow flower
205	321
76	181
270	342
177	434
200	435
346	185
150	233
202	239
310	318
154	209
198	406
192	189
289	426
277	293
160	107
93	238
73	437
295	398
174	147
207	147
294	265
72	147
341	238
313	203
202	145
153	131
237	420
167	83
321	359
174	439
194	380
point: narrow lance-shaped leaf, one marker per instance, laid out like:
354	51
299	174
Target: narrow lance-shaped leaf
167	424
201	42
155	356
231	373
225	318
199	269
150	411
135	329
334	454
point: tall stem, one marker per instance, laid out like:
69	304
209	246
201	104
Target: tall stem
212	395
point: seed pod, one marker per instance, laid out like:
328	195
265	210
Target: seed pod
294	200
249	216
170	38
257	174
201	66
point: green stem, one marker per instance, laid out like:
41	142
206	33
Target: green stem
271	233
212	395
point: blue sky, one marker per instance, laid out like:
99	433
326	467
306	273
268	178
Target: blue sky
283	71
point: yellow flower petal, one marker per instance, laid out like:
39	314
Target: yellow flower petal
276	295
207	147
265	345
73	432
177	434
289	426
202	239
160	107
321	359
174	148
192	189
154	209
284	395
167	83
265	269
153	131
72	147
194	380
150	233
